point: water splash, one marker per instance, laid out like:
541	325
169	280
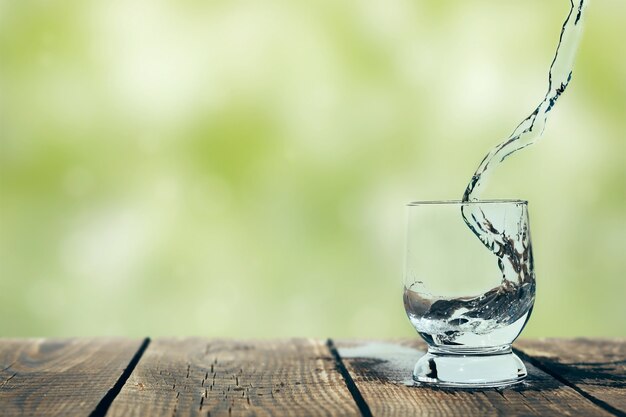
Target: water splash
527	133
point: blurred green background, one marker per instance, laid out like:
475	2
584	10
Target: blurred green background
240	168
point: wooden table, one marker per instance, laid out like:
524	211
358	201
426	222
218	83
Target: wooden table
221	377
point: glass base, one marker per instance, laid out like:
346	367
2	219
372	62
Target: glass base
470	369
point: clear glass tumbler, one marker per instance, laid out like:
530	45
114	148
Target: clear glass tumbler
469	289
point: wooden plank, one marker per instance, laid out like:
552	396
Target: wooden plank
596	367
60	377
382	370
201	377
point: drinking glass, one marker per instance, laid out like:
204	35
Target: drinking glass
469	289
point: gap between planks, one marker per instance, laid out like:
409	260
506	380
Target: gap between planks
609	408
354	390
105	403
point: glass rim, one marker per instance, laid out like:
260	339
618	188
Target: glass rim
469	203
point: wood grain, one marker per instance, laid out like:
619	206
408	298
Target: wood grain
200	377
60	377
596	367
379	368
